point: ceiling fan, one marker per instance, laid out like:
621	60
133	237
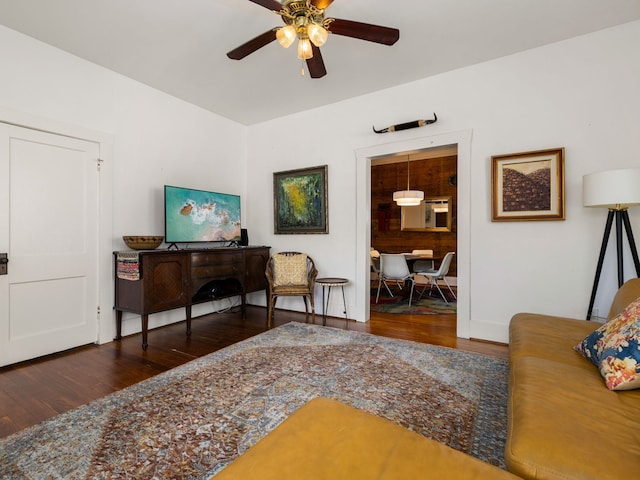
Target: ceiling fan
305	20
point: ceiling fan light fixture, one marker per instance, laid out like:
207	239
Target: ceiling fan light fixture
286	35
317	34
304	49
305	20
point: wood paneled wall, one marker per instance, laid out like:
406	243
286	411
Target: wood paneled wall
432	177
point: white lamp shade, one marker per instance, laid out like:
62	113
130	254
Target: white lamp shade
408	198
612	188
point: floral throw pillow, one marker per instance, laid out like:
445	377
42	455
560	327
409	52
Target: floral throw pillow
615	349
289	270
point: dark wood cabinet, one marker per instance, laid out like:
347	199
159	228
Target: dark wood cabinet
255	264
153	281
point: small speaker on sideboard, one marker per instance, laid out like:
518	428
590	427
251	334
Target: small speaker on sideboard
244	237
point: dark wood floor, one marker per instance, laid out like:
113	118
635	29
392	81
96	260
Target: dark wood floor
33	391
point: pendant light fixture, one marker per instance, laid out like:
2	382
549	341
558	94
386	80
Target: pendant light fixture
408	197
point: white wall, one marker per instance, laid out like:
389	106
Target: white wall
157	140
581	94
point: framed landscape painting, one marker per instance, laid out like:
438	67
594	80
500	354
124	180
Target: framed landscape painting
528	186
300	201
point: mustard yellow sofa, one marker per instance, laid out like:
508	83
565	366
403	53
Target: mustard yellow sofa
563	422
329	440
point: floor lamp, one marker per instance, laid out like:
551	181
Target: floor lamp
616	190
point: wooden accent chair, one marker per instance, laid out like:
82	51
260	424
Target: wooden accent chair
291	274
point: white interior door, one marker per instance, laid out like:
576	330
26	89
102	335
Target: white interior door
49	229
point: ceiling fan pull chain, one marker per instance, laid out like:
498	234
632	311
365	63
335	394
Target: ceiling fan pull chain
302	69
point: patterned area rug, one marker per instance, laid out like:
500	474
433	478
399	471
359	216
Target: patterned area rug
191	421
427	305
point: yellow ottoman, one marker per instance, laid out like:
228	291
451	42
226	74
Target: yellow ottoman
326	439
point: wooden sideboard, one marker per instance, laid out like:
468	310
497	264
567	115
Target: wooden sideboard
152	281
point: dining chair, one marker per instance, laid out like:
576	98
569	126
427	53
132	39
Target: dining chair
439	274
422	265
393	266
291	274
374	258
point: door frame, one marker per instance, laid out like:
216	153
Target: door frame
106	325
363	216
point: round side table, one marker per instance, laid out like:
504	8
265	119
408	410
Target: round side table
332	282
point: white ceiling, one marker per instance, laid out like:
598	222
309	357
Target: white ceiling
179	46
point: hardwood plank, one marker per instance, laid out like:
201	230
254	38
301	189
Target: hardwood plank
33	391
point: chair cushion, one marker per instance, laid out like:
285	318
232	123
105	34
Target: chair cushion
615	349
289	270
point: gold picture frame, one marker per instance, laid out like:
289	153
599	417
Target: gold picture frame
432	215
528	186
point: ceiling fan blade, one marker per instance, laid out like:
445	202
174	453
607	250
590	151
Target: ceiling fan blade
252	45
321	4
315	64
270	4
364	31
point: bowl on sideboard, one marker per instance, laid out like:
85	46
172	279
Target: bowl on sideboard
139	242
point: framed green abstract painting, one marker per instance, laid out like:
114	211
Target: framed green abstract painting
300	201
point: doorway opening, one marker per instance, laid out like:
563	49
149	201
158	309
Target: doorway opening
364	157
425	230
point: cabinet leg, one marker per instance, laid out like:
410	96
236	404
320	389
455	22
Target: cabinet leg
188	307
118	325
145	329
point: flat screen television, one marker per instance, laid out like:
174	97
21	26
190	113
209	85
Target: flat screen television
200	216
